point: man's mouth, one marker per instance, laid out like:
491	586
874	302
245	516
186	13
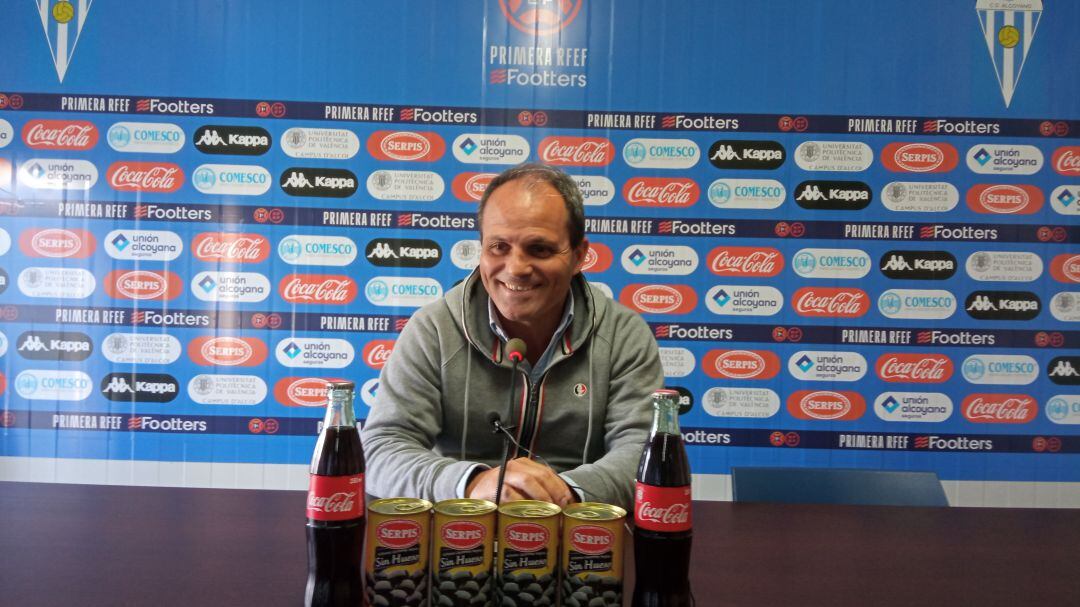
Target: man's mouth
517	288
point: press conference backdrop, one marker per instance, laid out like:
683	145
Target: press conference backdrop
852	227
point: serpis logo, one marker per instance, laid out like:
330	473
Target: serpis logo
920	157
407	146
160	285
1004	199
826	405
741	364
659	299
57	243
1066	268
227	351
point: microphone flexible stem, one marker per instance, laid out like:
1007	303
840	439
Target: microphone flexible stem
506	437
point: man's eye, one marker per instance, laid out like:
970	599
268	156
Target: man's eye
541	251
498	248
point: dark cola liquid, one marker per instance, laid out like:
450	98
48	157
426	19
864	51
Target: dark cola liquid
662	560
335	548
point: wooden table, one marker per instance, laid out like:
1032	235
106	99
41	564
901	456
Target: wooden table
90	545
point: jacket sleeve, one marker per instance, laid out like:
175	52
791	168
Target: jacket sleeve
402	426
635	373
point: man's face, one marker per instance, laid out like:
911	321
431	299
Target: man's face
526	262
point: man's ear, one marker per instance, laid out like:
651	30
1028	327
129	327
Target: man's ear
580	253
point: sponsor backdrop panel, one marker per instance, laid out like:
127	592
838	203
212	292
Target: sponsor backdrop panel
843	265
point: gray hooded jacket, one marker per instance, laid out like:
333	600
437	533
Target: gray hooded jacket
588	418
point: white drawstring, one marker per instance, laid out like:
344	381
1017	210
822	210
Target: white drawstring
591	386
465	426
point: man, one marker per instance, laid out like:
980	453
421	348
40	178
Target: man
581	397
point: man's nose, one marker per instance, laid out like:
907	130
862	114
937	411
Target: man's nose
518	263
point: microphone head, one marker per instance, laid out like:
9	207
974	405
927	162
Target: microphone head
515	349
494	418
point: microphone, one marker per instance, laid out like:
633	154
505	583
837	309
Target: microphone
515	353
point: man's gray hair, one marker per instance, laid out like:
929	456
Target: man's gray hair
535	172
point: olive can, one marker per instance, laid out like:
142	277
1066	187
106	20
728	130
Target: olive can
396	552
526	571
592	555
462	550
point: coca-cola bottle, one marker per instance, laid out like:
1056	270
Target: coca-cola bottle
335	506
662	524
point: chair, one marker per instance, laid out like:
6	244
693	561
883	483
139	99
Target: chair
837	486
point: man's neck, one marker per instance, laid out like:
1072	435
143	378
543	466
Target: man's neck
537	336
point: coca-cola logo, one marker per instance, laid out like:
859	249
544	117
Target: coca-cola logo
526	537
227	351
143	284
746	261
463	535
657	192
470	187
145	176
920	157
590	539
377	352
662	508
335	498
577	151
302	391
741	364
826	405
914	368
1066	160
659	299
1004	199
835	302
226	247
999	408
318	289
598	258
398	533
60	134
57	243
1066	267
342	501
406	146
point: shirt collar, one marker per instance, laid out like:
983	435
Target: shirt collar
567	318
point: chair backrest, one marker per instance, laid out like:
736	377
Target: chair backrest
837	486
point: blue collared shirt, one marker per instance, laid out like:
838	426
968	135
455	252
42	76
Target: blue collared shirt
536	372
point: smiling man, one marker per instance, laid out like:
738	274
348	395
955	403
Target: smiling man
581	397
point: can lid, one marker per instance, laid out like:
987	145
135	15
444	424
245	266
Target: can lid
594	511
529	509
465	507
399	505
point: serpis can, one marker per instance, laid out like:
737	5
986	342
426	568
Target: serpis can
526	567
592	555
396	552
462	550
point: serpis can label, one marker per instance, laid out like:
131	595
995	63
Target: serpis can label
396	551
462	549
592	551
528	550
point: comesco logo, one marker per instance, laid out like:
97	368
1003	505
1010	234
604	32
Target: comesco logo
60	134
576	151
318	289
377	352
163	177
1004	199
225	247
920	157
741	364
540	19
672	193
463	535
161	285
659	299
57	243
406	146
1000	408
526	537
398	534
746	261
914	368
826	405
227	351
831	301
591	539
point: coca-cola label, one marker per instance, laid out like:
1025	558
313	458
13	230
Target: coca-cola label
746	261
463	535
317	289
664	509
577	151
127	176
60	134
914	368
526	537
335	498
1065	161
377	352
833	302
398	534
672	193
999	408
228	247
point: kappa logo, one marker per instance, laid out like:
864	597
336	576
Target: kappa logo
1003	305
327	183
54	345
232	140
1008	26
1064	370
540	17
738	154
833	195
403	252
918	265
140	387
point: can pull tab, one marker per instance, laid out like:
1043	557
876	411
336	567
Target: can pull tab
409	508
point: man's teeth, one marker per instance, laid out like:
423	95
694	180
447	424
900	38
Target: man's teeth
517	287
